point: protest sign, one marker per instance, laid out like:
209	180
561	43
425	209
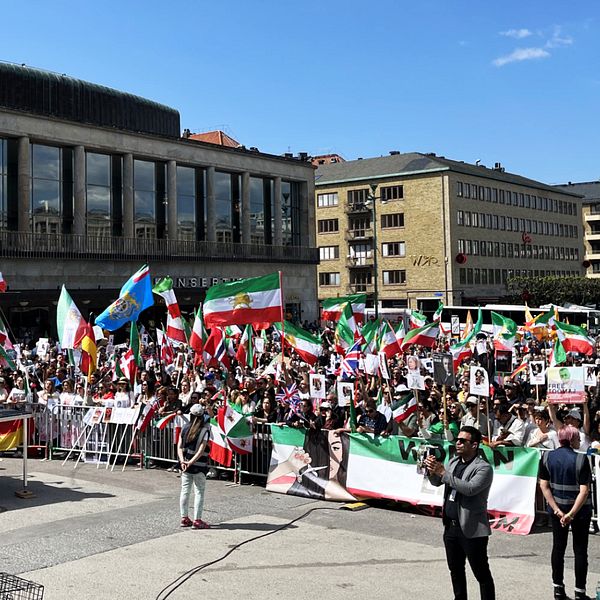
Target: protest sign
537	372
565	385
316	385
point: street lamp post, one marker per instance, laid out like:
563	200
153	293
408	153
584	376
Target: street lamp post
372	199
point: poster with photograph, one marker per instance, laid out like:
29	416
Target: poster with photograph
589	372
427	364
565	385
316	383
504	360
372	364
415	380
443	368
479	384
345	391
413	364
537	372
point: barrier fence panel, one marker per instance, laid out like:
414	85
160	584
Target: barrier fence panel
62	429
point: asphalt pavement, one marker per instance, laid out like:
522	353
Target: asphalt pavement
90	533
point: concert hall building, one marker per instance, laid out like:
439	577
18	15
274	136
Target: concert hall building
96	182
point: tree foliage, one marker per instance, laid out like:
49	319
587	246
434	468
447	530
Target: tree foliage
536	291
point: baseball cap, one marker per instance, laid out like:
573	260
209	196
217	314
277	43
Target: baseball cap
472	400
325	405
575	413
197	410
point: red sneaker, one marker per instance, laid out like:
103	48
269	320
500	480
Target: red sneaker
186	522
200	524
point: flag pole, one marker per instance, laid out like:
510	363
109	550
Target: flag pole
445	405
282	317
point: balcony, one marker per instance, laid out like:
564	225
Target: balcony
594	216
364	233
360	288
359	262
57	246
594	236
357	207
593	255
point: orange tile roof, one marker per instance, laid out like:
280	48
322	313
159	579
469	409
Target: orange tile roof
215	137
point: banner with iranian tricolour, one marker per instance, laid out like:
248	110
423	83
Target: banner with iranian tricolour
175	328
422	336
307	346
331	466
254	300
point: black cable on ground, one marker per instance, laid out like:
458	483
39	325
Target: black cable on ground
174	585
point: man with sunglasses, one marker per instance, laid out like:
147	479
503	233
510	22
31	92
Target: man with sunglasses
468	479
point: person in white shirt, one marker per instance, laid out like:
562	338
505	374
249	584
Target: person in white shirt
508	429
470	418
543	436
123	397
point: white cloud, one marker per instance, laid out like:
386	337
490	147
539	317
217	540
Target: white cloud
558	40
518	34
521	54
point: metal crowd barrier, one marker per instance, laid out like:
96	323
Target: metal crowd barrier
61	430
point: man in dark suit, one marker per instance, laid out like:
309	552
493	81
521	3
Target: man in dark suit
468	479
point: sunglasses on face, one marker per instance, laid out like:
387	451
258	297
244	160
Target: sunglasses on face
462	440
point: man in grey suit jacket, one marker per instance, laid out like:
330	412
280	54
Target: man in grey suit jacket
468	479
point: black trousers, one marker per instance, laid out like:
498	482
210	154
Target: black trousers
580	526
458	549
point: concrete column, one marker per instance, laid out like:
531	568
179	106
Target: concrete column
211	222
128	206
79	208
245	207
172	199
277	226
309	235
24	183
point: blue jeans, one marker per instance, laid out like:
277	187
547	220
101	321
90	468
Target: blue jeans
198	482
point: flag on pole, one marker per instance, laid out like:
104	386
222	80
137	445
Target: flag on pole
69	322
234	426
219	448
346	331
2	284
423	336
351	361
520	369
307	346
254	300
175	326
215	348
505	332
437	315
369	333
468	326
88	351
167	355
245	352
574	339
134	344
558	354
404	407
135	296
388	344
400	333
4	339
199	335
417	320
332	308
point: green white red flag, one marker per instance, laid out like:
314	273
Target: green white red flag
254	300
400	333
574	339
307	346
175	328
69	322
332	308
346	332
2	284
558	354
245	352
404	407
417	320
219	448
388	344
235	428
505	332
423	336
369	333
199	335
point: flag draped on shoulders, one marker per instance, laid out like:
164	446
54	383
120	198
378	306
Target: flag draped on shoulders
135	296
306	345
70	324
332	308
254	300
175	326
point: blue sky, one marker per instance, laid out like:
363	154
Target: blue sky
510	82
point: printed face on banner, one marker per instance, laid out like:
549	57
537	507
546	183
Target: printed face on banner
107	414
413	364
427	364
415	381
565	384
317	385
443	369
537	373
344	392
478	382
589	372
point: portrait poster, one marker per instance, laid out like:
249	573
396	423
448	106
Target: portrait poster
344	393
427	364
415	380
537	372
316	384
503	361
443	368
565	385
479	384
372	364
413	364
589	372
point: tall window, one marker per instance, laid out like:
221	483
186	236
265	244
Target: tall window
186	203
223	206
98	191
290	213
330	199
329	252
51	188
257	211
144	185
3	183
